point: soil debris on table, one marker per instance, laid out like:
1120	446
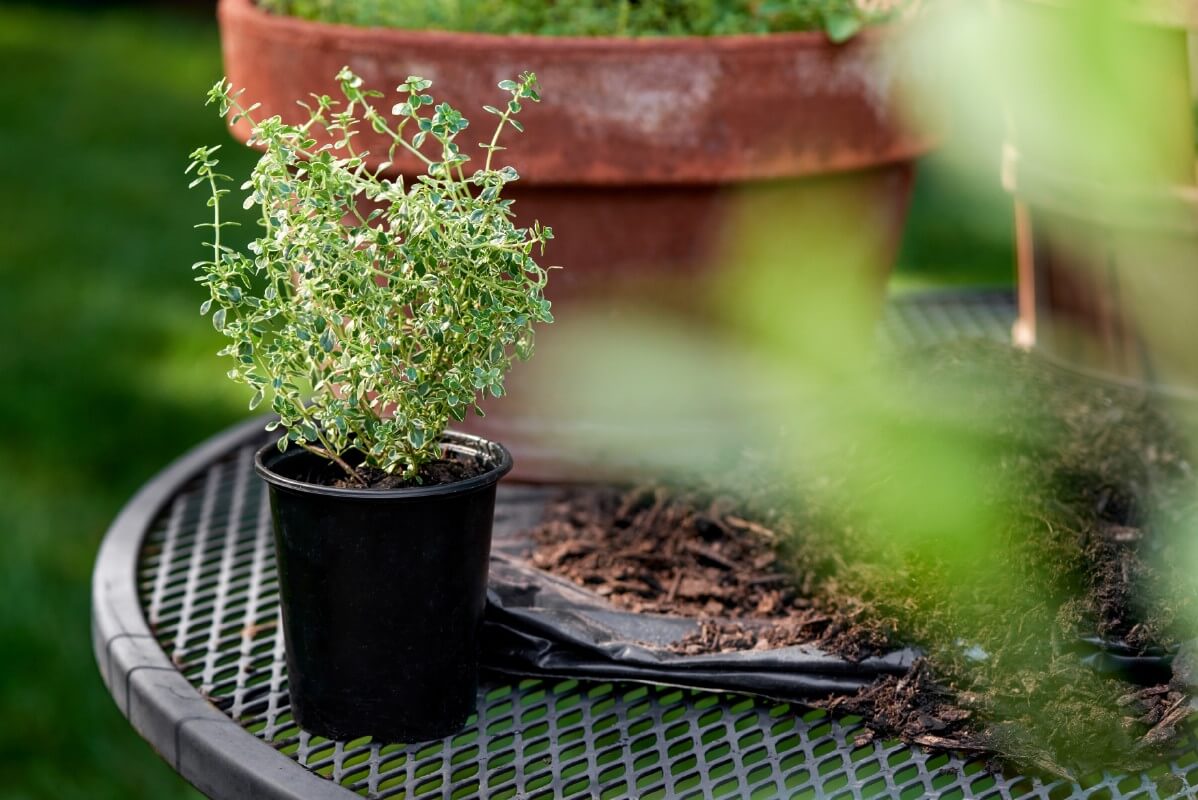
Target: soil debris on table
692	554
1087	490
913	707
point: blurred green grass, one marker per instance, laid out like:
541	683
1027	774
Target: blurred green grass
107	369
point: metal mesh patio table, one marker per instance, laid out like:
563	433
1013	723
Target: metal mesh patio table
186	634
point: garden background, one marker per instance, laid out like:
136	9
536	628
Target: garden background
108	371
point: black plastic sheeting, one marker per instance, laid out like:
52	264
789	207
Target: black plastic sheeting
1149	667
539	624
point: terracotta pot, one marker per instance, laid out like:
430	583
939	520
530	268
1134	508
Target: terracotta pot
1108	252
639	154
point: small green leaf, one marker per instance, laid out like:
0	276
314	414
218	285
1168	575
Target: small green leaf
841	26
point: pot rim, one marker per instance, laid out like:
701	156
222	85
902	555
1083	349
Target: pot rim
1163	207
496	453
543	42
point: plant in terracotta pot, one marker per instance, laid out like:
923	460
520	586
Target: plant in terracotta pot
649	151
367	334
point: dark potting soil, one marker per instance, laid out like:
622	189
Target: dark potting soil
1087	488
437	472
432	473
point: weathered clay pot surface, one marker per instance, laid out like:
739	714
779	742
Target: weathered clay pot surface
615	111
639	156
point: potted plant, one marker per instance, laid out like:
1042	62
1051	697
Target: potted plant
1101	165
650	149
369	333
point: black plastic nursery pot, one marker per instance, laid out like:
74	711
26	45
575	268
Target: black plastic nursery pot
382	594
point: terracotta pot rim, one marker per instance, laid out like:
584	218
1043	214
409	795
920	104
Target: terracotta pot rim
581	44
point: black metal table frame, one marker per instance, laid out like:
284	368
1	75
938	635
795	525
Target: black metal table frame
206	747
221	758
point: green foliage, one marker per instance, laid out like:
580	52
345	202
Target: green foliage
840	19
392	306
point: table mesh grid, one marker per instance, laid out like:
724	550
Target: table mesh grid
209	591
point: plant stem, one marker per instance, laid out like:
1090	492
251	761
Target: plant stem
398	139
327	451
215	218
328	455
495	139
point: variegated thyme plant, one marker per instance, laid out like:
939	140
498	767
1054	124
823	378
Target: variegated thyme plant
371	330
